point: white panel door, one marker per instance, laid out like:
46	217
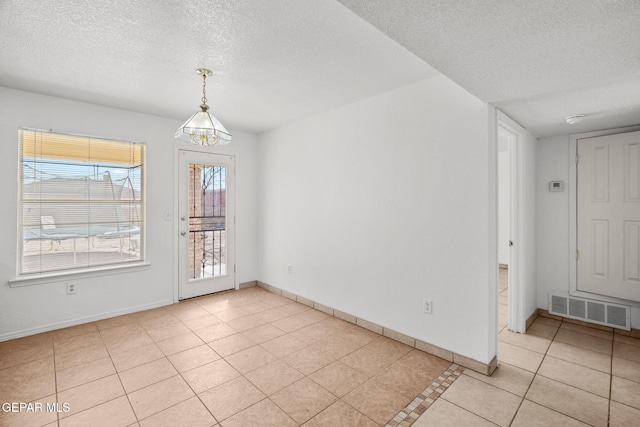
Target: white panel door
206	224
608	213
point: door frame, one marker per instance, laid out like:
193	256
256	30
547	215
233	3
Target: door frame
517	137
573	212
175	218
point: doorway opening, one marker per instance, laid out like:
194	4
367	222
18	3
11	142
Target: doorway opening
511	242
504	230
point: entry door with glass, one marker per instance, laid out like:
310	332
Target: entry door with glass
206	224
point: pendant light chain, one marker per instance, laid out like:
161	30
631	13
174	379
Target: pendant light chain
204	87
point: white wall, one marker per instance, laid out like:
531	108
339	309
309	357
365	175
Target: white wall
380	203
552	217
552	222
29	309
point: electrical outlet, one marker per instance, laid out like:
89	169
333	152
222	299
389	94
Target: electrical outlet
289	269
427	306
71	288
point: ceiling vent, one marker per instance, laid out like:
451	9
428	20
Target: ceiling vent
601	313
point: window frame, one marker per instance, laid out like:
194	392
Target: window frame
89	268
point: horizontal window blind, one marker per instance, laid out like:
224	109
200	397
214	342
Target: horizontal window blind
81	202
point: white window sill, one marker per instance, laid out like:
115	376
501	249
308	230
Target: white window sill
40	279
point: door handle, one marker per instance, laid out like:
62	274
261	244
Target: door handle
510	242
183	233
184	218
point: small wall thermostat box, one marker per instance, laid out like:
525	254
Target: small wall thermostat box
556	186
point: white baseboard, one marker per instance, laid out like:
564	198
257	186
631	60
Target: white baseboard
81	320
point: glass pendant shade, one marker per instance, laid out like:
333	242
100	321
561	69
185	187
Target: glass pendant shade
203	128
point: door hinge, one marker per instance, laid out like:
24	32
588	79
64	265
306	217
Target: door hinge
577	254
234	268
577	158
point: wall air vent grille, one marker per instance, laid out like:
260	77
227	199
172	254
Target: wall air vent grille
596	311
558	305
602	313
617	316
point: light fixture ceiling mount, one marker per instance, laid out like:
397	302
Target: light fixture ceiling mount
203	128
576	118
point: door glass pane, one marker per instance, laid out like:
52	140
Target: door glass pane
207	221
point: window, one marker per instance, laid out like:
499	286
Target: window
80	202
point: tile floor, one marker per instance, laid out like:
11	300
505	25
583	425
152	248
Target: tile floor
254	358
241	358
561	373
503	298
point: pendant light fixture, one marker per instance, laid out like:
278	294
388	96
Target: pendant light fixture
203	128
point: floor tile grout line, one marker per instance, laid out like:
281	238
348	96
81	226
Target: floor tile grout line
569	385
99	404
55	378
535	374
164	357
241	374
75	366
199	399
120	379
178	373
186	382
467	410
464	409
305	376
610	369
340	399
495	386
282	409
610	380
577	362
522	398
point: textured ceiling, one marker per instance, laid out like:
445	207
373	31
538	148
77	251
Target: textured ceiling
276	61
537	60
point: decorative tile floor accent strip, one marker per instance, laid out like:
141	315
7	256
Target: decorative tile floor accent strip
421	403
